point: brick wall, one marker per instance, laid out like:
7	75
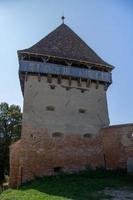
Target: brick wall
39	153
15	155
118	145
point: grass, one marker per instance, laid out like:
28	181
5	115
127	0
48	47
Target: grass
83	186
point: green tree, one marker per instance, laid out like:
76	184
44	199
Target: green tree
10	131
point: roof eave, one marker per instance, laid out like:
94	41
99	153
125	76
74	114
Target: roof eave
111	67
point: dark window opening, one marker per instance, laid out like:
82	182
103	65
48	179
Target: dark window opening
50	108
67	88
57	134
87	135
82	91
82	110
57	169
52	87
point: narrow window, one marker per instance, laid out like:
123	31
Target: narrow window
88	135
82	91
57	134
50	108
57	169
67	88
82	110
52	87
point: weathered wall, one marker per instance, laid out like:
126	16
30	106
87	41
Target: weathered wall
65	138
15	154
118	146
69	152
66	117
40	153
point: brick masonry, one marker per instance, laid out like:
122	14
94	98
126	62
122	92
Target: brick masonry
118	145
39	154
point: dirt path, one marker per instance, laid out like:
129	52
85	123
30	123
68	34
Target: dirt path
118	194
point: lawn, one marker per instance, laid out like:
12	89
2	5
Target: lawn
82	186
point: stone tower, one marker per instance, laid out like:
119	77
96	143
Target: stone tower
64	84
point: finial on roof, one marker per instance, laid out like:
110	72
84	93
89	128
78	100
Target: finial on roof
63	18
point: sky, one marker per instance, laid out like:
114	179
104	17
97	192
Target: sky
105	25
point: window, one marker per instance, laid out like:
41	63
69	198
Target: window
88	135
82	110
83	90
57	134
50	108
67	88
52	87
57	169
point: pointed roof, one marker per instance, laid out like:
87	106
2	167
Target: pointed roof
65	43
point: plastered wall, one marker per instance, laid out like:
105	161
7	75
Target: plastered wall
66	103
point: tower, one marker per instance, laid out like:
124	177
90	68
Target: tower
64	84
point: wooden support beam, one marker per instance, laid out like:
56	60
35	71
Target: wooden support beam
45	59
69	63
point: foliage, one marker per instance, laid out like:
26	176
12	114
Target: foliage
10	130
82	186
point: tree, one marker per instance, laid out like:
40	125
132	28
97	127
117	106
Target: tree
10	131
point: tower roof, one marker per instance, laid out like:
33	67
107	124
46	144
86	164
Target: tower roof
63	42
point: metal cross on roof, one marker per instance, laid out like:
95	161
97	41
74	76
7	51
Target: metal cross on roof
63	18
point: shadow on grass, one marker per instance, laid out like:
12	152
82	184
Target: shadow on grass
82	186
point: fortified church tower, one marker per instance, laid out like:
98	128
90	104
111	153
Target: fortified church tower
64	84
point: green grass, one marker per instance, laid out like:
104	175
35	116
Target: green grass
82	186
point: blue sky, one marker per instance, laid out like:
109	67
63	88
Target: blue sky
105	25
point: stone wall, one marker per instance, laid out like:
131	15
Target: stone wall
43	154
39	153
118	146
15	167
